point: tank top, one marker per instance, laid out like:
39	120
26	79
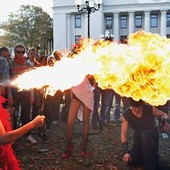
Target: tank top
145	122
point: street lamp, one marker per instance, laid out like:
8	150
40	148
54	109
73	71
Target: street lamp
88	8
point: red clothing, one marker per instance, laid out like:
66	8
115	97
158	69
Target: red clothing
18	69
7	156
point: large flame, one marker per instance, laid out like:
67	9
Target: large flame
140	70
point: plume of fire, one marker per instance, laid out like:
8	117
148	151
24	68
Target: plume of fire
139	69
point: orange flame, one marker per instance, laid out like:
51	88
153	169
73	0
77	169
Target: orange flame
140	70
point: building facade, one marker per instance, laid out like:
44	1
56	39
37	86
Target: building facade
119	17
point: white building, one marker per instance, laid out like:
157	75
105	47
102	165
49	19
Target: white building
119	17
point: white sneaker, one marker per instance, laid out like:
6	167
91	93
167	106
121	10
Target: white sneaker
31	139
54	122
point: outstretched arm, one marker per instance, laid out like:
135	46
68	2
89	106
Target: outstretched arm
18	133
160	113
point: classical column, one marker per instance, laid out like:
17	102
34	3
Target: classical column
116	27
131	22
163	23
147	21
68	31
97	21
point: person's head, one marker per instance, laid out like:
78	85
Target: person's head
42	60
19	50
58	55
32	54
136	104
4	52
51	60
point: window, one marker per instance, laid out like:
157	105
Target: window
138	21
123	21
168	20
154	20
77	37
77	21
109	22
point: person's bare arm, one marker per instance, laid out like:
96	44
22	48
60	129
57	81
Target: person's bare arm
124	129
18	133
160	113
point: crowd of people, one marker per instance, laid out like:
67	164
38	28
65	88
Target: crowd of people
86	99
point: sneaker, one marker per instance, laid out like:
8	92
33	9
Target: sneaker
31	139
54	122
115	120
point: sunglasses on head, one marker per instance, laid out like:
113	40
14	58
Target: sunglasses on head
20	52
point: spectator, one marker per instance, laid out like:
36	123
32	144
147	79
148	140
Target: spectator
166	127
105	97
58	55
23	98
54	101
144	150
106	105
32	60
4	73
4	82
4	52
32	56
164	108
96	122
116	114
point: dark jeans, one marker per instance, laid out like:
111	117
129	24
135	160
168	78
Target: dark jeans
116	115
106	98
66	104
106	104
95	115
56	105
144	149
22	98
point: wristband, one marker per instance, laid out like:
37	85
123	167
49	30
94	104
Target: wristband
125	147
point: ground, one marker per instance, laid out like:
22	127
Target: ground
104	150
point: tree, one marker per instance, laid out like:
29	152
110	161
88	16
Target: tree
30	26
